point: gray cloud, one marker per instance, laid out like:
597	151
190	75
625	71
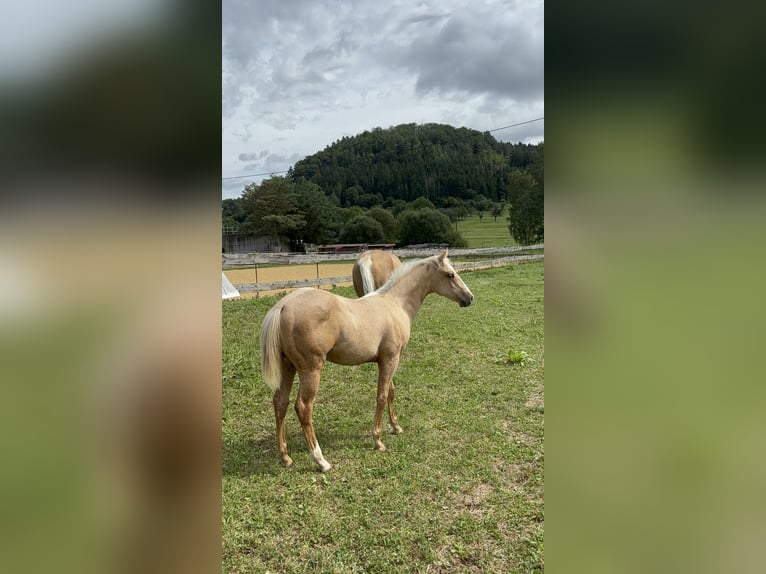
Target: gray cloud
429	18
276	52
269	162
475	52
247	156
306	51
302	73
266	163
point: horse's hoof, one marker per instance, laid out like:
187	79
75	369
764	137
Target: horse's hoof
288	462
325	466
381	447
398	430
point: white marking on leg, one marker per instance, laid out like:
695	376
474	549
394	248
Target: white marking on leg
377	442
316	454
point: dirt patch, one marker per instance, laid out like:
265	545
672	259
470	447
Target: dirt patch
472	501
536	401
515	472
517	436
288	273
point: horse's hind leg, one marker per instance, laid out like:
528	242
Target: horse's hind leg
386	369
281	400
393	419
304	407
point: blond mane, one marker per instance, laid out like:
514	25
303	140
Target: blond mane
402	271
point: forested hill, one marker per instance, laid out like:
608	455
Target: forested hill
410	160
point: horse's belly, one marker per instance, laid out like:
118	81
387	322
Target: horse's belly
352	354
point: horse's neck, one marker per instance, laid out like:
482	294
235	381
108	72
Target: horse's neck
410	291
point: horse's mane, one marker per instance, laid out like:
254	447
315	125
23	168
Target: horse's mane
404	270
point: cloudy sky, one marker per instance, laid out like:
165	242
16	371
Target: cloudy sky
300	74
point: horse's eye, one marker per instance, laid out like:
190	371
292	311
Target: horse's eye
450	275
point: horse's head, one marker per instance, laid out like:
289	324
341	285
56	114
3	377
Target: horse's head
449	284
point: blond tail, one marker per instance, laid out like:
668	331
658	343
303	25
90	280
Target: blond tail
271	349
365	269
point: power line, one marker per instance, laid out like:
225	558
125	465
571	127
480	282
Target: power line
469	136
514	125
286	170
255	174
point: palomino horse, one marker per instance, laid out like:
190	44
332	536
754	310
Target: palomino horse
372	269
309	327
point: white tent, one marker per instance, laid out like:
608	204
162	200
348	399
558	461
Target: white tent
229	291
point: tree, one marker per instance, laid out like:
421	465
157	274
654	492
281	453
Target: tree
520	182
481	204
421	203
404	161
229	224
427	226
527	209
350	196
387	222
369	200
232	208
273	210
398	206
497	209
349	213
362	229
321	212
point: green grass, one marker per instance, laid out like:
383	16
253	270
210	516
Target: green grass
460	491
486	232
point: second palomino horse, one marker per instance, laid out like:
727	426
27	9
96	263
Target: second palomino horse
372	269
309	327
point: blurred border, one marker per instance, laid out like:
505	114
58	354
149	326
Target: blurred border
654	307
109	287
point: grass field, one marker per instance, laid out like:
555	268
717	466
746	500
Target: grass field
486	232
460	491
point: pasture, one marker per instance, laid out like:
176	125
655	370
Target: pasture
485	232
461	490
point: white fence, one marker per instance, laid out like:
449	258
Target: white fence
457	253
237	259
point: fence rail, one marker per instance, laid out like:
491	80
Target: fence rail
466	266
234	259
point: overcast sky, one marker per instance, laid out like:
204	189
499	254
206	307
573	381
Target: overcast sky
298	75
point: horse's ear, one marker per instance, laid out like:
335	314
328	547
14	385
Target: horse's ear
442	257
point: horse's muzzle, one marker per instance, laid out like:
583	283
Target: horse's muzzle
466	302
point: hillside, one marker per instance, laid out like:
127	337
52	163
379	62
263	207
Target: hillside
410	160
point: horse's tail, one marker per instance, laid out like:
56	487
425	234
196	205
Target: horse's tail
365	269
271	349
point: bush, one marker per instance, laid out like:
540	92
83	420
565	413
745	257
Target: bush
362	229
427	226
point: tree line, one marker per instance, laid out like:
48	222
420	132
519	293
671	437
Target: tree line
403	185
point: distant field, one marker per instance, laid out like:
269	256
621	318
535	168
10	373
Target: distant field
486	233
460	491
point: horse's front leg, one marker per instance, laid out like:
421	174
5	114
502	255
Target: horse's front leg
386	368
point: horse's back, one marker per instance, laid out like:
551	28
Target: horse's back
379	264
385	261
309	306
